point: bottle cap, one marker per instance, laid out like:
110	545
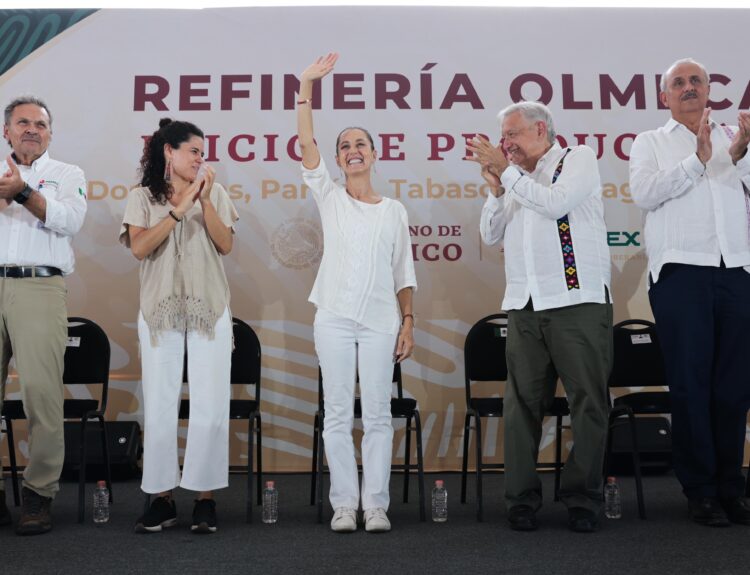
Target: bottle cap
611	479
101	483
270	484
438	483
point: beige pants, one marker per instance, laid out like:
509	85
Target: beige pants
34	330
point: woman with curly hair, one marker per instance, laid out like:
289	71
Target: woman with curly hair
178	224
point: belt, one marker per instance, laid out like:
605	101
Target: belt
29	271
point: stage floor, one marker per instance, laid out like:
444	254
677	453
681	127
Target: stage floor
665	543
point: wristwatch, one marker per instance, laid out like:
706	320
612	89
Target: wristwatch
23	195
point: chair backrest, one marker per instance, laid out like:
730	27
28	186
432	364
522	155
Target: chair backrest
245	357
396	379
87	356
637	360
484	351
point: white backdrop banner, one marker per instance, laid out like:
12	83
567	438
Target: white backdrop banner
423	81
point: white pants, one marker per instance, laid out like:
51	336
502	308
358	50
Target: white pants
342	344
206	463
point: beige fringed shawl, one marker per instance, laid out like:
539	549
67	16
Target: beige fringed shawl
183	284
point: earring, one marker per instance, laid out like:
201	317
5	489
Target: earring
168	172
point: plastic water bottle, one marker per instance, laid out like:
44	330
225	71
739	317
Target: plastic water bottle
270	503
612	504
439	502
101	503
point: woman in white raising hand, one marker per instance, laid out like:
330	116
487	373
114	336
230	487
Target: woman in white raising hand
364	321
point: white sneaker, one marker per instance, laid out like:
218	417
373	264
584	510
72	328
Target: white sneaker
376	521
344	520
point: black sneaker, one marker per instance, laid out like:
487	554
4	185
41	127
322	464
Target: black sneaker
162	513
5	518
204	516
35	513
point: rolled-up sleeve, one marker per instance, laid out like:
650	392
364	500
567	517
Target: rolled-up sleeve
403	260
67	210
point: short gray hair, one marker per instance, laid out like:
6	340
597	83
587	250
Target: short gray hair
665	75
21	101
533	112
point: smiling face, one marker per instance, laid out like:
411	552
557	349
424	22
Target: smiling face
186	159
354	152
28	132
524	142
686	91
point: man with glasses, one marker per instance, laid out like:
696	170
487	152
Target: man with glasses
546	208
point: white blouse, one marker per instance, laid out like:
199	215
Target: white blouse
367	255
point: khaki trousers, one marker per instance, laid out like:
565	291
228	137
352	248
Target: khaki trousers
34	331
574	343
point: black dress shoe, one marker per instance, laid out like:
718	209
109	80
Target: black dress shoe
707	511
522	518
582	520
738	510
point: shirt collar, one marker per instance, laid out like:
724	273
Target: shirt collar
37	164
544	160
672	125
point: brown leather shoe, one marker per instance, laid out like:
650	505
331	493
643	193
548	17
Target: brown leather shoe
5	518
35	514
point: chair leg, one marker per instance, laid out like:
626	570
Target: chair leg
259	458
107	461
558	456
747	483
465	458
319	491
250	448
407	459
480	512
637	466
420	466
13	462
82	473
314	468
146	503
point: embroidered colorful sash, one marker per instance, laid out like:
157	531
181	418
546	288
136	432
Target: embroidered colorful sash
566	239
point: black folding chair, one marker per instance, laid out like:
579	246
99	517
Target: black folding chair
86	363
401	408
484	360
245	372
637	362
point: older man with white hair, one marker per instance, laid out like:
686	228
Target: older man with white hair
546	208
691	176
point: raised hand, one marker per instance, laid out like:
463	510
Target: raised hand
205	184
704	149
485	154
738	147
11	183
321	67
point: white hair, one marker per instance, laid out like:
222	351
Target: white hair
533	112
665	75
